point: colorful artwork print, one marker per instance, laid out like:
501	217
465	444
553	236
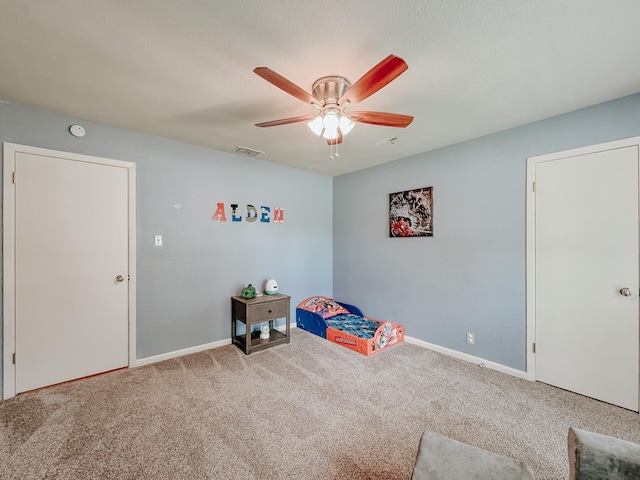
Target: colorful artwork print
411	213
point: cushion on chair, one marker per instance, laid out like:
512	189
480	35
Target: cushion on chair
594	456
441	458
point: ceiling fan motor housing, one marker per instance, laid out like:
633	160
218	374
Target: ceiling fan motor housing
328	90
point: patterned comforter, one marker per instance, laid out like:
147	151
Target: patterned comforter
353	324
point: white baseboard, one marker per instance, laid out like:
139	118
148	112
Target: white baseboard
436	348
199	348
179	353
468	358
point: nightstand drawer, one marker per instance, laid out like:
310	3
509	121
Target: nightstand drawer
269	310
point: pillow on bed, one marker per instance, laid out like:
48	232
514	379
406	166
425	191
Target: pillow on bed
323	306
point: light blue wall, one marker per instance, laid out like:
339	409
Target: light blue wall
470	277
183	288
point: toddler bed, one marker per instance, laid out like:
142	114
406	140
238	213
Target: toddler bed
345	325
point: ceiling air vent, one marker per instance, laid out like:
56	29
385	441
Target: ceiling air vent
249	152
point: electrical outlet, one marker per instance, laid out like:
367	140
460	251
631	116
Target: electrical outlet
471	339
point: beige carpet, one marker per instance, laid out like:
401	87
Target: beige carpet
308	410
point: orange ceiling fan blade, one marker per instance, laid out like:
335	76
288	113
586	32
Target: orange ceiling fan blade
285	121
376	78
286	85
381	118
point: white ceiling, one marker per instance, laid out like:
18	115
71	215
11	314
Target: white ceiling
184	69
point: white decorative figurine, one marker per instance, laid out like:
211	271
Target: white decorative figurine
264	332
271	287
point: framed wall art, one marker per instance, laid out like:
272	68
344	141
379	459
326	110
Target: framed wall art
411	213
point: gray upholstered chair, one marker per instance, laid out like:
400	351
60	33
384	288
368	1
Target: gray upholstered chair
594	456
441	458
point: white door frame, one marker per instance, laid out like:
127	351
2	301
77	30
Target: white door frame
10	150
531	233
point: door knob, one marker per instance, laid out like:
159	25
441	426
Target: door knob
625	292
120	278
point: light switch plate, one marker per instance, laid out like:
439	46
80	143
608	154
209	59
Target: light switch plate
158	241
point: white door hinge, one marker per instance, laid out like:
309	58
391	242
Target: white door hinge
13	178
534	347
534	186
14	358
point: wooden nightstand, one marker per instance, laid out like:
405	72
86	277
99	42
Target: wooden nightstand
256	310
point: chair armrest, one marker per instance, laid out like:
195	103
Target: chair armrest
593	455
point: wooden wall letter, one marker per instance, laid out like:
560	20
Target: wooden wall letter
251	209
265	214
219	215
278	215
234	209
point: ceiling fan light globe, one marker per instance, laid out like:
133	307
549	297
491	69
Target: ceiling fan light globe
331	120
316	125
346	125
330	134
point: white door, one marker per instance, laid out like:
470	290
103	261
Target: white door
71	244
586	251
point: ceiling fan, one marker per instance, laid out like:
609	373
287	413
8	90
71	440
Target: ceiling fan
332	95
